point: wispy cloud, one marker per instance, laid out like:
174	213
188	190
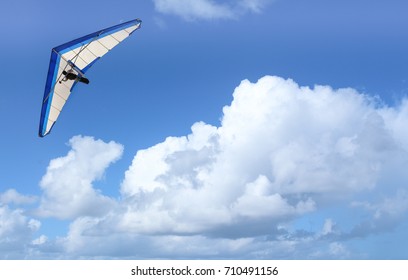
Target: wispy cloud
208	9
385	215
11	196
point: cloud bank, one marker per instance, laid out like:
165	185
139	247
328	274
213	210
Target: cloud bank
243	189
282	151
208	9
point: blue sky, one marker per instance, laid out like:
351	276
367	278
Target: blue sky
220	129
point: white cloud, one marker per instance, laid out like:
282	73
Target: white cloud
258	201
386	215
67	185
12	196
394	207
40	240
202	9
328	227
281	152
16	231
395	121
338	250
253	5
208	9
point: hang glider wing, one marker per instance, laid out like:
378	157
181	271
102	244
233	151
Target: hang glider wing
69	63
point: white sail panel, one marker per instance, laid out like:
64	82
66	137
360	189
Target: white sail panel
121	35
86	53
97	48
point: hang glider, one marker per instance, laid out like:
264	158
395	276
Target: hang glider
70	61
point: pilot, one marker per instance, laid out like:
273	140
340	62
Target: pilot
72	76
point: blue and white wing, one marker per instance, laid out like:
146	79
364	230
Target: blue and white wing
76	57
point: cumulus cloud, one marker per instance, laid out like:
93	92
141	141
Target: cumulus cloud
208	9
281	152
67	186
